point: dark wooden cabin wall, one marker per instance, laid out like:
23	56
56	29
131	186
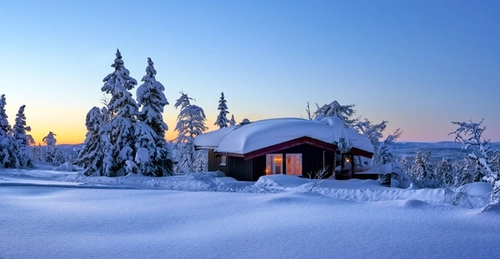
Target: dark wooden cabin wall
312	160
214	162
240	169
252	169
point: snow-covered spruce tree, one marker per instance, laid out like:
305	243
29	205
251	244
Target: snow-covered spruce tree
4	123
222	120
201	161
96	143
51	153
464	172
123	111
344	112
21	141
444	172
470	135
6	152
232	122
153	153
422	171
190	123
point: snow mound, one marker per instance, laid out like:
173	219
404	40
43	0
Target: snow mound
66	167
280	181
355	190
414	204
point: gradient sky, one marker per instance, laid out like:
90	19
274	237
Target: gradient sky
418	64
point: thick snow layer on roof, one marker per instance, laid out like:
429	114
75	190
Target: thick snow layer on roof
212	139
243	139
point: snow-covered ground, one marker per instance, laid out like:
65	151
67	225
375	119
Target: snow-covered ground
58	214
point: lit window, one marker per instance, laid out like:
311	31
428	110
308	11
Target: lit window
274	164
223	160
294	164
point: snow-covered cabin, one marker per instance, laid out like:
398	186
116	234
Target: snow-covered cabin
292	146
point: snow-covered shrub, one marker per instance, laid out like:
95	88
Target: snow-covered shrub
51	153
54	155
484	159
317	177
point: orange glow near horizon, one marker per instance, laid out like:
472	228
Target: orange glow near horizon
72	130
74	133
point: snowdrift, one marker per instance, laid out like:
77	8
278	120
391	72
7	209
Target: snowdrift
473	196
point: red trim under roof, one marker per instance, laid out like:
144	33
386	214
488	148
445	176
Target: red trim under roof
297	142
360	152
289	144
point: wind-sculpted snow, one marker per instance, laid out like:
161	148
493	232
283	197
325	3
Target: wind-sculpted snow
476	196
56	214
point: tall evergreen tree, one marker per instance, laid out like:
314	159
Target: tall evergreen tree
21	141
4	123
222	120
190	123
6	152
153	156
96	143
123	111
232	122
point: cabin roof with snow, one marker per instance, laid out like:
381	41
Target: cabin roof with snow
254	138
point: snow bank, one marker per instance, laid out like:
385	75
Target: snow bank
55	222
475	196
67	167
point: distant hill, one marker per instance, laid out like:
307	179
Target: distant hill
438	150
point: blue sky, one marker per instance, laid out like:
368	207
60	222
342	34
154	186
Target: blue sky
417	64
